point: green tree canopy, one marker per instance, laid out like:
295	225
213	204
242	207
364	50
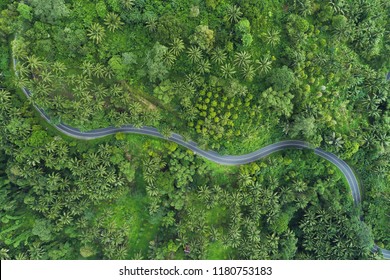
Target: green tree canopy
49	10
281	79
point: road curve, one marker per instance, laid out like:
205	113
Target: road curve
212	155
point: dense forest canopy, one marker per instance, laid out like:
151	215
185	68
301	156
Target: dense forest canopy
232	76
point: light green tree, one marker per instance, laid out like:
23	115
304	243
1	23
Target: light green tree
177	46
227	71
203	37
96	32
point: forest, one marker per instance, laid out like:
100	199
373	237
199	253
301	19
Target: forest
230	75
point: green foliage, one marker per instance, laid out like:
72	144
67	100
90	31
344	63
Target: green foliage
101	9
157	69
297	24
113	22
25	11
243	26
281	79
43	230
203	37
232	77
50	10
313	226
306	126
278	101
119	68
247	40
96	33
233	13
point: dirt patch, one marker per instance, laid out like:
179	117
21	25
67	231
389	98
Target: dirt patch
136	95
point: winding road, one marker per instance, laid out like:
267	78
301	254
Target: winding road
212	155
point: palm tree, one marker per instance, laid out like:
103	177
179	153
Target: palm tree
108	72
21	256
264	64
234	236
34	63
80	91
248	72
194	54
113	21
233	13
47	76
101	171
166	131
273	242
62	150
236	200
96	32
36	251
128	4
203	66
116	90
99	70
305	7
22	70
88	68
122	118
299	186
272	37
218	56
59	67
338	6
53	180
169	58
227	71
191	113
151	24
136	108
150	179
5	100
178	87
374	112
383	139
194	79
83	81
369	139
204	192
177	46
242	58
245	179
121	252
371	102
4	254
92	160
41	89
100	92
336	141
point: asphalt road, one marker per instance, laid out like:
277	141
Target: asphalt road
214	156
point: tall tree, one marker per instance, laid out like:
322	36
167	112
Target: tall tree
233	13
49	10
96	32
113	22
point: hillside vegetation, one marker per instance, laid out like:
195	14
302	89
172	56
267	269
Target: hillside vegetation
232	76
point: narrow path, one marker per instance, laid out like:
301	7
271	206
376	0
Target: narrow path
212	155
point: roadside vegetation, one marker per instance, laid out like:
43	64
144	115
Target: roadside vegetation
232	76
